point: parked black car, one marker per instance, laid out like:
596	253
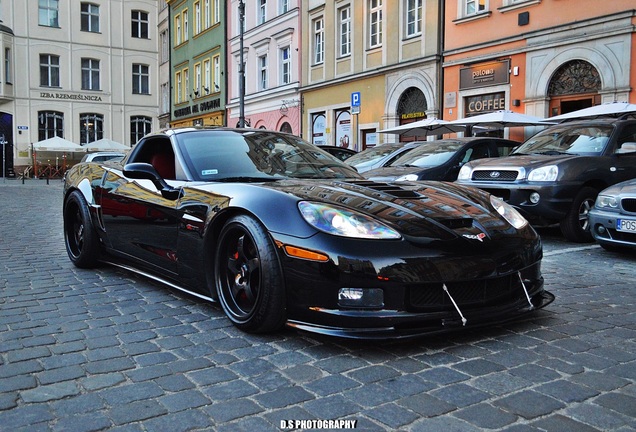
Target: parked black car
555	176
279	232
341	153
441	159
379	156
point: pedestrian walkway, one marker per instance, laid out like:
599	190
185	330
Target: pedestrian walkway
93	350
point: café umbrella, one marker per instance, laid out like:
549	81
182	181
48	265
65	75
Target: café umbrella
426	127
57	145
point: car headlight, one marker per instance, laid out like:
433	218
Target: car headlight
544	174
508	212
606	201
464	173
408	177
344	222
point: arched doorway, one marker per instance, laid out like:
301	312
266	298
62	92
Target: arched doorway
575	85
411	107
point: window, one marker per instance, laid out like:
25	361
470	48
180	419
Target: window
48	13
217	73
140	126
7	66
375	23
413	17
141	78
139	24
178	88
217	11
283	6
197	80
50	124
262	62
165	98
344	15
186	83
206	14
49	70
285	65
165	47
90	74
473	7
90	18
197	18
319	40
177	30
262	11
91	128
186	30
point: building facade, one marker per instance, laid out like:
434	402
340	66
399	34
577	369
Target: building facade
538	57
368	65
79	70
165	72
197	62
270	78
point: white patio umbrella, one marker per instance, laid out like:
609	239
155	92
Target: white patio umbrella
500	119
105	144
58	144
429	126
613	109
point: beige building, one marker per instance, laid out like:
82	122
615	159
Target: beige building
368	65
79	70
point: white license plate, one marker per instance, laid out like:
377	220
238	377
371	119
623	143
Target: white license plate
626	225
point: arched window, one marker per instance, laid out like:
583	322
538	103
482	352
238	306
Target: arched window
286	127
91	128
50	124
139	126
412	105
575	77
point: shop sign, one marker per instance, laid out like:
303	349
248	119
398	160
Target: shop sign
74	97
195	109
486	74
485	103
412	115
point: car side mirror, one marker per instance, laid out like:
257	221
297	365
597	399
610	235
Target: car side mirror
627	147
145	171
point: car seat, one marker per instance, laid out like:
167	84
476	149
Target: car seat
164	164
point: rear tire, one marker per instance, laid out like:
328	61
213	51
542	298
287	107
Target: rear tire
248	277
576	225
80	237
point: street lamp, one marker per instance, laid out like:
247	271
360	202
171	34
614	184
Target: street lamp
241	66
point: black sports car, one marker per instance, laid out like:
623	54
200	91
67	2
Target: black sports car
282	233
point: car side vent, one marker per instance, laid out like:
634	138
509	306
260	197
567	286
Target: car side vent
456	223
391	189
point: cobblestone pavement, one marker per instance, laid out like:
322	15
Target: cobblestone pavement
107	350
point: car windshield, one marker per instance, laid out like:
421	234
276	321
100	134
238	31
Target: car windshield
428	155
566	139
371	155
257	156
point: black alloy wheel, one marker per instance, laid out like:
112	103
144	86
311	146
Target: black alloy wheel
576	225
248	278
80	238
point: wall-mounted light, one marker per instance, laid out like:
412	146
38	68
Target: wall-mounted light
516	102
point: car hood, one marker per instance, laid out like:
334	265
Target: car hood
391	173
626	188
526	161
424	210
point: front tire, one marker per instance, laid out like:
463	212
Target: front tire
576	225
248	277
80	238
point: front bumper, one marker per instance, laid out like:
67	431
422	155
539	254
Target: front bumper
429	290
603	229
554	203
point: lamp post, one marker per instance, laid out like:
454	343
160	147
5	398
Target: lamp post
241	66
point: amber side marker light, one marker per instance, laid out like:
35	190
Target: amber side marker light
295	252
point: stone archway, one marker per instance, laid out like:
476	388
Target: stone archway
574	85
